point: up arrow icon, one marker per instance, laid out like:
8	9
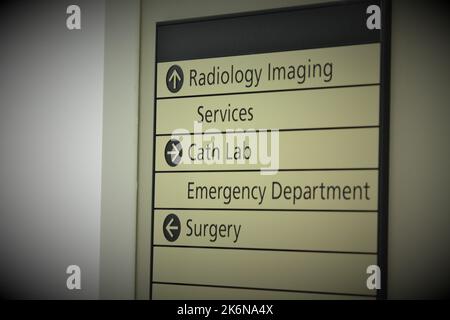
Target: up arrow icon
174	78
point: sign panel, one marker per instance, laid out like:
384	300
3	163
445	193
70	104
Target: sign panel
270	155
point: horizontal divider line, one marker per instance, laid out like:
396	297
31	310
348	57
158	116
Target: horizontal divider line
261	209
263	249
268	130
263	289
266	170
271	91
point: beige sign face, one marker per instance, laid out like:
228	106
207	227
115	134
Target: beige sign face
266	175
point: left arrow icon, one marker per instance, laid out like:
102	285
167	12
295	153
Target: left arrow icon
171	227
174	78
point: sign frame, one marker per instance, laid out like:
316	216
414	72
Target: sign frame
384	119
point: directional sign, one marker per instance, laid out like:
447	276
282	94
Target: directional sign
270	154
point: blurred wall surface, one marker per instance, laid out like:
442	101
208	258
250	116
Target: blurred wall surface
51	109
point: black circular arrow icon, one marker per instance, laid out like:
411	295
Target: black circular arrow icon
171	227
174	78
173	152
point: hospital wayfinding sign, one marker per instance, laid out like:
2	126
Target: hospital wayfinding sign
271	154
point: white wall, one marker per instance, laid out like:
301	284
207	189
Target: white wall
120	150
51	104
68	148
